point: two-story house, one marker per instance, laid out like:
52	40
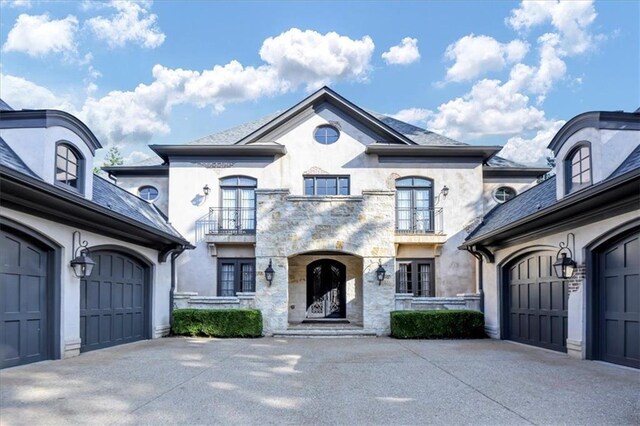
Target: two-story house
84	264
560	262
326	212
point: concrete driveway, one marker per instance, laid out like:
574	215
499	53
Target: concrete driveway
319	381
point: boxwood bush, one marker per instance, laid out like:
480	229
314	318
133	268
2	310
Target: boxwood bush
437	324
217	322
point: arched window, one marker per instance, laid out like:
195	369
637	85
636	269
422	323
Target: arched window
414	204
326	134
69	166
578	168
238	200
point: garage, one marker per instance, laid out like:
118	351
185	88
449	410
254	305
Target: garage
114	301
617	297
24	287
535	302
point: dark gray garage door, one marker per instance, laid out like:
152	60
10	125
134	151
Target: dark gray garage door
619	302
23	307
536	303
113	302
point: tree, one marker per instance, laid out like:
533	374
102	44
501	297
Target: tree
113	157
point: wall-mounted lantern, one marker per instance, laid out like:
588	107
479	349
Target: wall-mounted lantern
82	264
565	266
206	190
380	273
268	273
443	193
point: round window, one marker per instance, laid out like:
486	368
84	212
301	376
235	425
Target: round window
148	192
504	193
326	134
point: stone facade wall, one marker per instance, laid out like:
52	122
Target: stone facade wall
406	302
360	226
190	300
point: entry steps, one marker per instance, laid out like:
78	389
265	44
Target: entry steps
324	330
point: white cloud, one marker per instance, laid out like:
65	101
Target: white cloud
310	58
532	150
39	35
476	55
570	18
24	94
403	54
135	157
16	3
490	108
416	116
131	24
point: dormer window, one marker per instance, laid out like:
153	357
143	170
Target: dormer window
69	171
578	168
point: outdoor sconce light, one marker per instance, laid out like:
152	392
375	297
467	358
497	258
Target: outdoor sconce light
443	193
380	273
565	266
268	273
206	190
82	264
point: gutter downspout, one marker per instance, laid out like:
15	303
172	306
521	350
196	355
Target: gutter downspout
174	255
478	256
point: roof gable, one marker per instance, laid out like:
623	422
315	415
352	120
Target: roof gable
318	98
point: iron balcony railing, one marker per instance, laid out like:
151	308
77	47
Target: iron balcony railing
227	220
411	220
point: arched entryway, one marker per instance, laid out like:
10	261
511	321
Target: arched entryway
326	289
535	302
115	301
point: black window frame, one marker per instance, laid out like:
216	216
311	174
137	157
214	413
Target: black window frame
80	167
413	286
424	184
238	287
315	185
568	168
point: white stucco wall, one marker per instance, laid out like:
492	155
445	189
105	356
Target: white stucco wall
584	235
70	285
37	148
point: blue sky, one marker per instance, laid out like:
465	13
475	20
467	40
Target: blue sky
507	73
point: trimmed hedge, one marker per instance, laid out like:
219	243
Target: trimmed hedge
437	324
217	322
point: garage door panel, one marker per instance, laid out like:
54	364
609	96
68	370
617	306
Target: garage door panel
632	253
23	308
539	301
631	332
632	294
613	295
11	293
122	306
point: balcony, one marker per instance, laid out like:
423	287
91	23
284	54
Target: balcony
419	225
227	225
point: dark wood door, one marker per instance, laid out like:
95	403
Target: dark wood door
24	321
113	302
326	289
618	298
536	303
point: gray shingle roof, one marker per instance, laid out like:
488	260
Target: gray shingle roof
524	204
10	159
497	161
417	134
632	162
234	134
123	202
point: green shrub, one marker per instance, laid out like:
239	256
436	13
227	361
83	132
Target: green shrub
438	324
217	322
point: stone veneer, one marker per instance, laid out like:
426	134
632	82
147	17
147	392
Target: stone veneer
356	225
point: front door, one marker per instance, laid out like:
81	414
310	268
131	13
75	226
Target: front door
326	289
